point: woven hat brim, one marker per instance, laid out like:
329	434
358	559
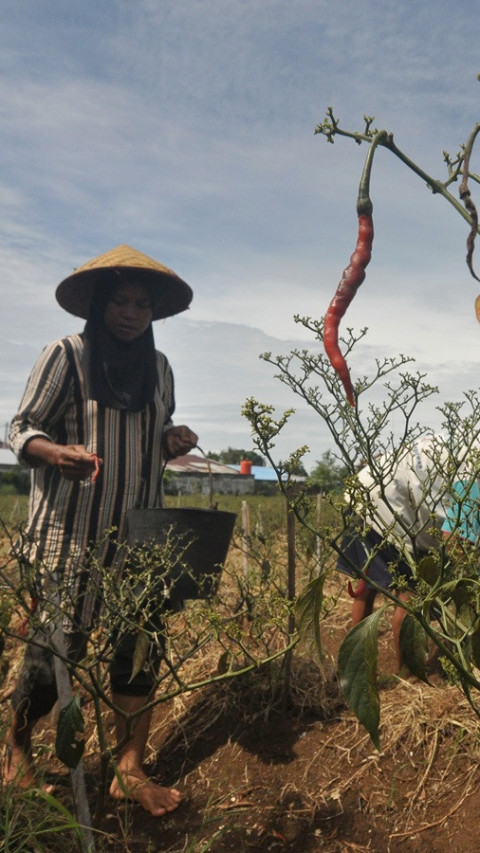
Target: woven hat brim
173	295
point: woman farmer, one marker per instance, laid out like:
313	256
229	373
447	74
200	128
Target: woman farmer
95	424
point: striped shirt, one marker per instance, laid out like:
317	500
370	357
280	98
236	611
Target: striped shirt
66	517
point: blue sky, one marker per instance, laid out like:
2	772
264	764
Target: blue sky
186	129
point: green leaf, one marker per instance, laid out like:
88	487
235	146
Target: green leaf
475	645
48	826
463	596
70	743
140	654
428	569
357	671
308	611
414	647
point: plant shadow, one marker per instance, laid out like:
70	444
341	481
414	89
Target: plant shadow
253	711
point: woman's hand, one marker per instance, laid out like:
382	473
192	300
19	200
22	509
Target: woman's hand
74	461
179	440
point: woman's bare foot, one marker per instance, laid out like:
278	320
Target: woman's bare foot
135	785
18	768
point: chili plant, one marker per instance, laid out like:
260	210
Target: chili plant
242	629
445	602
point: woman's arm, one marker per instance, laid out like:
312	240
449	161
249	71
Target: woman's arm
74	461
36	425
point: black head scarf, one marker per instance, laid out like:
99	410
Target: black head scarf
119	375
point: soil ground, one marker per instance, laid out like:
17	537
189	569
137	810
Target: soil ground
308	778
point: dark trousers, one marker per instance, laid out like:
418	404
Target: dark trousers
369	549
36	690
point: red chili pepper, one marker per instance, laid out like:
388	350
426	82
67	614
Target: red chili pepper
356	593
97	469
354	274
351	279
22	631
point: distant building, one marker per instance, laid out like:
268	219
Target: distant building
261	473
192	474
266	480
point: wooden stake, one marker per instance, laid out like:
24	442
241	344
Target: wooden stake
245	535
77	775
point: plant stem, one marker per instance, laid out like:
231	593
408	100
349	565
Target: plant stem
364	204
436	186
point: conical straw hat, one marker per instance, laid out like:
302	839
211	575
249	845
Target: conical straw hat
173	295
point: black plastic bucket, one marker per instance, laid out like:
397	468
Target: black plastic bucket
203	537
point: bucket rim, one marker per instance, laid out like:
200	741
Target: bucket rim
182	509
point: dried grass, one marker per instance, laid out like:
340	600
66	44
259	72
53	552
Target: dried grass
426	771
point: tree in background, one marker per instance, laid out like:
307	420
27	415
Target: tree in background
15	482
233	456
329	474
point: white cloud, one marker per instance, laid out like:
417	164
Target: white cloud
186	129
